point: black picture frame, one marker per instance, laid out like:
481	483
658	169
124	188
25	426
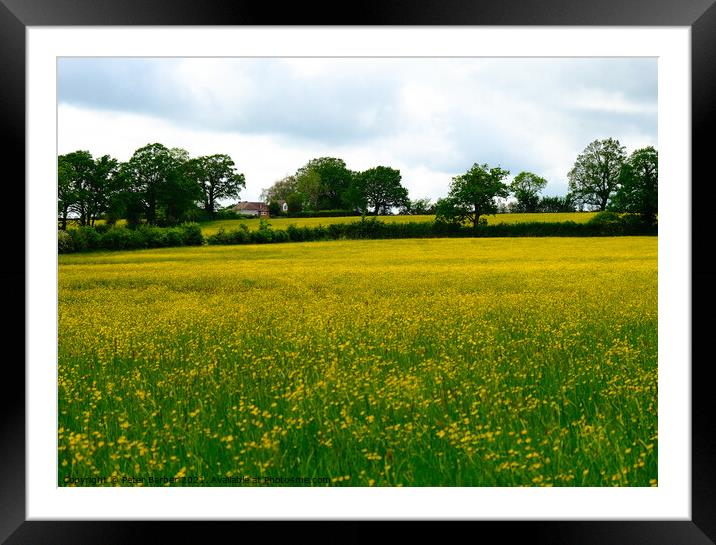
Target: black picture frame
699	15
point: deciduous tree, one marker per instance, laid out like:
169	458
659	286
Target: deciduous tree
161	180
218	178
557	204
595	175
324	182
378	188
638	190
74	173
280	190
526	188
418	207
473	195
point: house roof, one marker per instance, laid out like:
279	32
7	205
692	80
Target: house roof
260	206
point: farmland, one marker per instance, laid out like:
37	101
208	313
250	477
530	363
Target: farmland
459	362
211	227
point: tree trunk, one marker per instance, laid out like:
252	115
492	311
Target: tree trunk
476	218
151	211
211	201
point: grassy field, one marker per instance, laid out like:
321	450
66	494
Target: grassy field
466	362
211	227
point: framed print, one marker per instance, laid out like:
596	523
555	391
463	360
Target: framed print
476	371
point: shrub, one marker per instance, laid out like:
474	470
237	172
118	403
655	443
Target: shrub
102	228
629	218
192	234
614	223
122	238
65	243
606	217
84	238
262	236
154	237
174	237
236	236
296	234
280	236
119	238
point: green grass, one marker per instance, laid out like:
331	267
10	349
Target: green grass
458	362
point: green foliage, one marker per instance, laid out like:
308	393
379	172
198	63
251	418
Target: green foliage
605	218
378	188
281	190
86	238
163	183
557	204
240	235
294	202
323	183
309	187
191	234
65	243
119	238
149	168
103	227
526	188
157	186
418	207
595	175
472	195
621	220
86	186
217	177
638	191
274	209
372	228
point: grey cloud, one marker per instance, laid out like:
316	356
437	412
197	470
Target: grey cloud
493	108
273	100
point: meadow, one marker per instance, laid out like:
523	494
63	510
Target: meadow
435	362
211	227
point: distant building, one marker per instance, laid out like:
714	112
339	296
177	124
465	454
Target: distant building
251	209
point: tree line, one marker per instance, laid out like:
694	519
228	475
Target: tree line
165	186
326	183
157	185
603	178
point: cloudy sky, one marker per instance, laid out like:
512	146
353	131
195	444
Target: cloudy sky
431	118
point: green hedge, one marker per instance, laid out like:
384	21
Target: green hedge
374	229
85	239
122	238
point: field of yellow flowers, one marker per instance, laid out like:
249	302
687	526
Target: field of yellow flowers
439	362
211	227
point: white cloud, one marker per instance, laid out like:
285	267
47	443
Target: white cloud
612	102
431	118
